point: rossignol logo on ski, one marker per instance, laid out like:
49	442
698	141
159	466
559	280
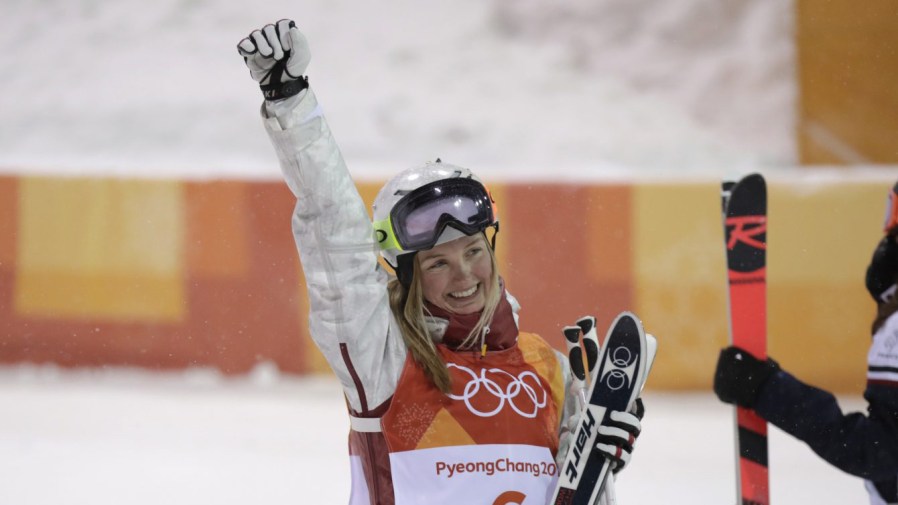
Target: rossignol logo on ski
746	238
746	229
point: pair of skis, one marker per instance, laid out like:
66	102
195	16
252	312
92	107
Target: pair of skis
745	236
616	372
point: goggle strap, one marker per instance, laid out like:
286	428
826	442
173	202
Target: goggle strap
384	235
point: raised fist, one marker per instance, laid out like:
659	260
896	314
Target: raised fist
277	56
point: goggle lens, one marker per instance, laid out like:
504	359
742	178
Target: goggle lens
420	224
420	217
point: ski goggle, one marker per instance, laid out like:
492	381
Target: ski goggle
420	217
891	218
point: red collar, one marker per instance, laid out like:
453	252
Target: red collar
503	332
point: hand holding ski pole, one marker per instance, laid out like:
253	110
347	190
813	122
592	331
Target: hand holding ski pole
277	56
600	437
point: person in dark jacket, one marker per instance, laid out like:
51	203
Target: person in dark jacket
861	444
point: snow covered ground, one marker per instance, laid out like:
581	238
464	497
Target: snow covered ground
511	88
110	437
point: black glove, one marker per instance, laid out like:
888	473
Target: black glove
740	376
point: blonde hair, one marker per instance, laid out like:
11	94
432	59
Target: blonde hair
408	308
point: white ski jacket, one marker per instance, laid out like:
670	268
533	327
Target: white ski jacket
350	318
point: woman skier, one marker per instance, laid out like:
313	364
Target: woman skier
448	401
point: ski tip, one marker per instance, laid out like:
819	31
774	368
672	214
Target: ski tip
627	323
627	315
754	180
728	184
748	197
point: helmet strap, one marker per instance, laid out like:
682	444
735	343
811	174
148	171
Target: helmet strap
405	268
492	240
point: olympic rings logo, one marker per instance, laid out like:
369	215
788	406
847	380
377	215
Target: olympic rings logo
621	356
617	378
511	393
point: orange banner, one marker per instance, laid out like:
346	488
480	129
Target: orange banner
172	274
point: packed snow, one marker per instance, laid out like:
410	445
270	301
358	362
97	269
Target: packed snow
510	88
110	437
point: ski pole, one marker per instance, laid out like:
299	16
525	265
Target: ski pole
575	358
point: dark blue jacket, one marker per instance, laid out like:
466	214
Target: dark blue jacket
865	445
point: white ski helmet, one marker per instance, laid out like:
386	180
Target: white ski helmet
426	206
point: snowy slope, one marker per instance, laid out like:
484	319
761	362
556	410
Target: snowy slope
124	437
512	88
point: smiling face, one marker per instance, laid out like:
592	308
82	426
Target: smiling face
455	276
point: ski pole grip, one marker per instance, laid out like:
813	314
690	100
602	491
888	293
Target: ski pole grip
587	325
574	351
